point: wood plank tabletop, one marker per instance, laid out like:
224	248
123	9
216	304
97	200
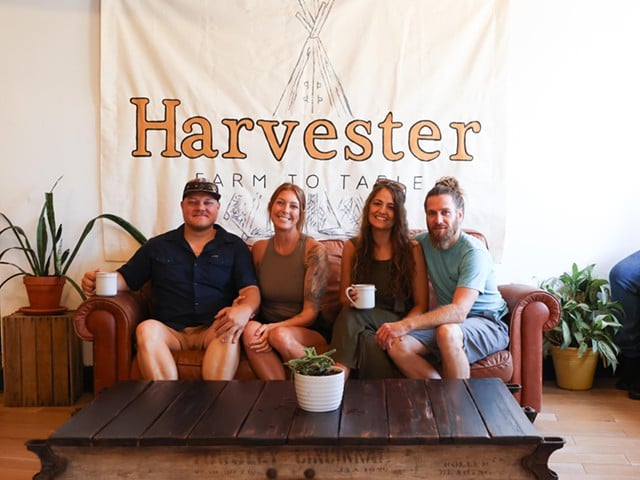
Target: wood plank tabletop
126	428
455	412
315	428
411	418
176	423
503	416
269	420
364	413
373	412
223	420
87	422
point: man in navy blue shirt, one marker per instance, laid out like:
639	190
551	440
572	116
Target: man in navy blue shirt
196	272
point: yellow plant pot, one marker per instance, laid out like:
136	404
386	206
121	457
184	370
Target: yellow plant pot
573	372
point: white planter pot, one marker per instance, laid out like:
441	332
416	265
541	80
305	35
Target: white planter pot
319	394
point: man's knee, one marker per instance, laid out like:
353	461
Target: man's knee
449	336
149	331
249	332
617	274
221	347
625	274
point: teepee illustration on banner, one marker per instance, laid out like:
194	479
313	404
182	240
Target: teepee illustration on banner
313	86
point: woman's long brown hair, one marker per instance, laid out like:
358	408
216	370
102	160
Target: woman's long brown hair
402	263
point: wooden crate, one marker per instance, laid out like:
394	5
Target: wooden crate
42	360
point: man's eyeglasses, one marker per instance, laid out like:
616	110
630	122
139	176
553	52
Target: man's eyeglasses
387	182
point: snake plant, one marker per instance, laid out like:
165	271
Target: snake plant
46	256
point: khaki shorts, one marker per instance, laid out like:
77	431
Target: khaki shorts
191	338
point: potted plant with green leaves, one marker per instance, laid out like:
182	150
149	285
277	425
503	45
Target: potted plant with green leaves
586	330
46	260
318	382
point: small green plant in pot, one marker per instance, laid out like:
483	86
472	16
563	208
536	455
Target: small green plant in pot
314	364
588	322
319	383
44	255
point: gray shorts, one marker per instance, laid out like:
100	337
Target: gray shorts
483	334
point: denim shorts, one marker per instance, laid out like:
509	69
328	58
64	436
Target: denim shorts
483	334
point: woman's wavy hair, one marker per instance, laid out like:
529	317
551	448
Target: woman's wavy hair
402	263
302	201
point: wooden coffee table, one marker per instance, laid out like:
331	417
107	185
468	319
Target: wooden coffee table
451	429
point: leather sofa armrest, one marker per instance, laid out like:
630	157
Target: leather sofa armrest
532	311
519	296
110	323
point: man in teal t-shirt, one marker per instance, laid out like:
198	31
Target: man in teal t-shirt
467	326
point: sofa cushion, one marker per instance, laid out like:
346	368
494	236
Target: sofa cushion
189	363
499	364
330	306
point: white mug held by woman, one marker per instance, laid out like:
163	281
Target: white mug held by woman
361	295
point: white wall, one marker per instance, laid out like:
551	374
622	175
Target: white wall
49	123
572	165
573	182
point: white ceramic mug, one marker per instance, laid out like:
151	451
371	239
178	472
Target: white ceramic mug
106	284
366	295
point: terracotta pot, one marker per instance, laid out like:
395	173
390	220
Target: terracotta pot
319	394
573	372
44	292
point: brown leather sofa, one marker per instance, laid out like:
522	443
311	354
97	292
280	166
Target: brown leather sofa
110	323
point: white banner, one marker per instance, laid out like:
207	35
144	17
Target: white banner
327	94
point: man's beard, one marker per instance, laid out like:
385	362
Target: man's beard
444	242
200	227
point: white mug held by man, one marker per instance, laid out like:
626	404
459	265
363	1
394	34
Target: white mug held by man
106	283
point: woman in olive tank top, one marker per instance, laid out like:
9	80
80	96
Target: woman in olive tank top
292	275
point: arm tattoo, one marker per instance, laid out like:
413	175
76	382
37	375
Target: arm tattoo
317	264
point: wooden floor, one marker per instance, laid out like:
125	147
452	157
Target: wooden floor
601	427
